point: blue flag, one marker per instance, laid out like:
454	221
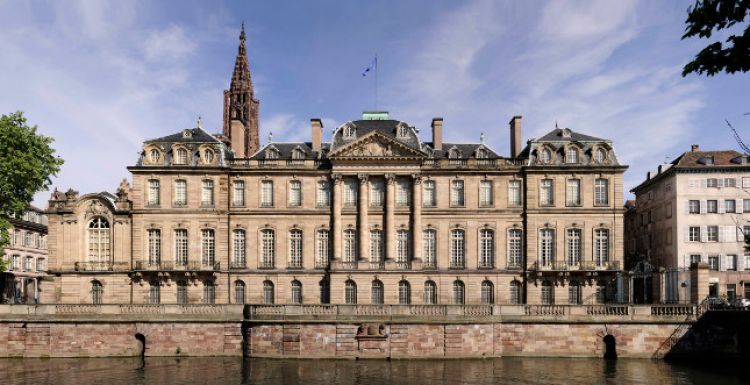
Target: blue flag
372	67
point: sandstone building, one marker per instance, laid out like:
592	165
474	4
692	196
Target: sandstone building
376	215
25	258
691	211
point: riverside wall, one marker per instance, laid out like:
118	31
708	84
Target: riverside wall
356	331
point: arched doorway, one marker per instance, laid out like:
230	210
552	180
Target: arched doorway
141	347
610	347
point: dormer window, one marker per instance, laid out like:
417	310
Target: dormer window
182	156
546	155
298	154
272	154
187	134
708	161
481	154
208	156
571	155
402	131
349	132
566	133
454	153
600	155
155	156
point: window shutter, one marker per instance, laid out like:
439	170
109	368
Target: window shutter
703	206
704	234
738	234
704	183
720	182
704	258
738	206
722	262
731	234
722	234
740	262
687	234
720	207
687	206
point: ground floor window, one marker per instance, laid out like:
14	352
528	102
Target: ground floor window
731	292
515	292
574	293
548	293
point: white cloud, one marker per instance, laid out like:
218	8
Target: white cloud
170	43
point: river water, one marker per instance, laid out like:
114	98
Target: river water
507	370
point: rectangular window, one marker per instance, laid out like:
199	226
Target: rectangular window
694	206
731	292
428	248
321	249
546	193
713	262
208	247
730	182
350	246
376	246
601	246
239	249
745	182
712	182
15	263
694	234
350	192
574	247
457	193
712	233
403	192
180	192
458	250
207	193
154	246
712	206
268	249
731	262
295	249
377	192
266	193
402	247
181	246
295	193
601	192
695	258
547	246
238	196
746	205
40	264
28	262
428	193
514	249
573	192
729	206
514	193
485	193
153	192
486	249
323	196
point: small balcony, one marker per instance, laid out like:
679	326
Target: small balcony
266	265
579	266
238	265
429	265
172	266
294	265
377	265
100	266
321	264
402	265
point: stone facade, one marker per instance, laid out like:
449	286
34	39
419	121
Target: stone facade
26	259
691	211
375	215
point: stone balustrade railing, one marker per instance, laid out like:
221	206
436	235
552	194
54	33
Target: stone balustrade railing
357	313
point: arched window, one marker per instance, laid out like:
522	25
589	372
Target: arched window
239	292
349	132
268	293
601	292
488	293
458	292
209	293
458	249
514	248
97	293
239	252
295	249
268	249
430	293
515	292
322	249
600	155
325	291
296	292
404	292
182	292
99	241
155	156
545	155
350	292
377	292
571	155
182	156
208	156
548	293
154	293
574	293
486	248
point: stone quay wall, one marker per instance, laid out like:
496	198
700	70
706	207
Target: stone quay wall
341	331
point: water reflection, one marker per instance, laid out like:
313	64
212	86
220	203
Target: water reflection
516	371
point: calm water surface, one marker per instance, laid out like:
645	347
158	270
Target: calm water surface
516	371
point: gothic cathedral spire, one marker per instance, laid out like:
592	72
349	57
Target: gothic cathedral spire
241	107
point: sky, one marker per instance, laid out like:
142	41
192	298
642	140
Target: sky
103	76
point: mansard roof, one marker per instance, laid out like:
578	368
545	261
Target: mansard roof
568	135
286	149
559	139
191	135
466	150
386	127
718	158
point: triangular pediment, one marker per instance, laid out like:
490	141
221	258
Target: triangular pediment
376	145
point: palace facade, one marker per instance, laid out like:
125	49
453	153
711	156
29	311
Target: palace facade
376	215
25	258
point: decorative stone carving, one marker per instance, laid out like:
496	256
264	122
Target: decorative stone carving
96	208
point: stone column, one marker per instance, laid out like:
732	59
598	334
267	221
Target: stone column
416	217
699	282
362	206
390	205
336	231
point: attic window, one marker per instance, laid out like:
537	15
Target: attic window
208	156
182	156
566	133
571	155
600	155
155	156
481	153
349	132
402	131
298	154
546	156
708	161
187	134
272	154
454	153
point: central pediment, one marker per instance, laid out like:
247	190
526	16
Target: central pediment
376	145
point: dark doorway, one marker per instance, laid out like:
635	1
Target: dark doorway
610	347
141	344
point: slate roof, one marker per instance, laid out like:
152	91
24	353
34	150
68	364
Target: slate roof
556	135
385	127
286	148
467	150
558	138
198	136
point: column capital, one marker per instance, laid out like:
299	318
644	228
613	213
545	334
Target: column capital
417	178
336	178
363	178
390	178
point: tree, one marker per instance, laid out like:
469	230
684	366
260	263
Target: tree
704	17
26	164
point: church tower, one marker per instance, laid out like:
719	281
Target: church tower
241	107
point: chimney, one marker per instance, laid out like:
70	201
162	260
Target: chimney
515	136
695	148
317	133
437	133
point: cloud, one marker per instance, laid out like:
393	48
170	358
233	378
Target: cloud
170	43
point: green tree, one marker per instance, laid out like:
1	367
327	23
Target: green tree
27	161
704	17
